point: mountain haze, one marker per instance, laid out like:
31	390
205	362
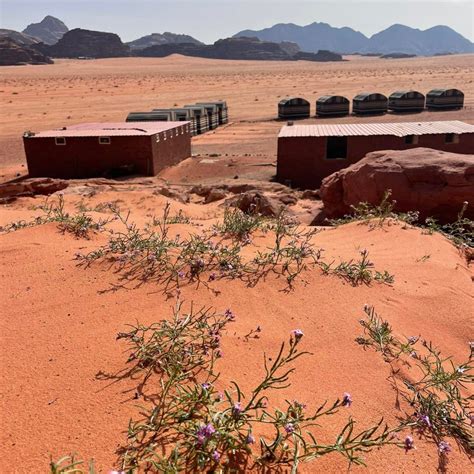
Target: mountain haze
395	39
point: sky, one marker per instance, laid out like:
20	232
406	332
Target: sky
209	20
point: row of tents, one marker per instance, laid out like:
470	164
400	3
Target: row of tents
372	103
204	116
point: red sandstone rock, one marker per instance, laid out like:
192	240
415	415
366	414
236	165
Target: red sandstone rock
31	187
433	182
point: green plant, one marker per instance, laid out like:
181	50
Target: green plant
440	407
239	225
359	271
188	426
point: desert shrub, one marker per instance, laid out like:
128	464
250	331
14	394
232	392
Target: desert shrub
377	215
358	272
437	397
150	255
80	225
460	232
191	427
239	225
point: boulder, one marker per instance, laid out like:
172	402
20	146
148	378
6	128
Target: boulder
215	195
32	187
255	202
432	182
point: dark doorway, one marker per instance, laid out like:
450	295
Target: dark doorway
336	147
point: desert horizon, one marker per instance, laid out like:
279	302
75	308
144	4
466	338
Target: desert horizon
85	261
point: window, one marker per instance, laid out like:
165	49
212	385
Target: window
451	138
157	137
60	141
411	139
104	140
336	147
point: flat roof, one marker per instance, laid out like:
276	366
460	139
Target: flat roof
115	129
400	129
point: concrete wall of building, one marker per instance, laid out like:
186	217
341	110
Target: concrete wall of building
302	161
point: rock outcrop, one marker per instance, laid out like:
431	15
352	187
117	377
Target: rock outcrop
14	54
240	48
32	187
86	43
161	38
432	182
49	31
17	37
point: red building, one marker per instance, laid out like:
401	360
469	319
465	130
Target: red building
309	153
97	149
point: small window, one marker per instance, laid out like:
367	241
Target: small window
60	141
451	138
157	137
336	147
104	140
164	136
411	139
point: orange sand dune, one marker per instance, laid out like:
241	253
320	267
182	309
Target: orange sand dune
58	332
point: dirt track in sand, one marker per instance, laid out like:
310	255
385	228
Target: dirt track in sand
39	97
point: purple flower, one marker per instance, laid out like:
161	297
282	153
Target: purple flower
250	439
347	400
409	443
206	385
412	340
229	315
425	419
299	404
205	432
289	428
471	419
181	274
237	409
216	456
212	276
444	447
298	333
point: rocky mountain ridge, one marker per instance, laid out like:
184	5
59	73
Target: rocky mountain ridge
395	39
49	30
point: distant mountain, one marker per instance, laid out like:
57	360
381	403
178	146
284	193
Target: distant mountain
312	37
17	37
395	39
49	31
403	39
240	48
162	38
14	54
86	43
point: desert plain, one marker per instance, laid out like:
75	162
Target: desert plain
59	320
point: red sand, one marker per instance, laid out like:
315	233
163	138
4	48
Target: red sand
59	333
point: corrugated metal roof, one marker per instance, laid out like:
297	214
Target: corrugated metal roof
400	129
122	129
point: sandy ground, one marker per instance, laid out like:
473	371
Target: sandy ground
39	97
58	326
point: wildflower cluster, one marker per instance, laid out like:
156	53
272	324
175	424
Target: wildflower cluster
204	429
439	406
152	255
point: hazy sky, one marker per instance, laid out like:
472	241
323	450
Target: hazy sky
209	20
